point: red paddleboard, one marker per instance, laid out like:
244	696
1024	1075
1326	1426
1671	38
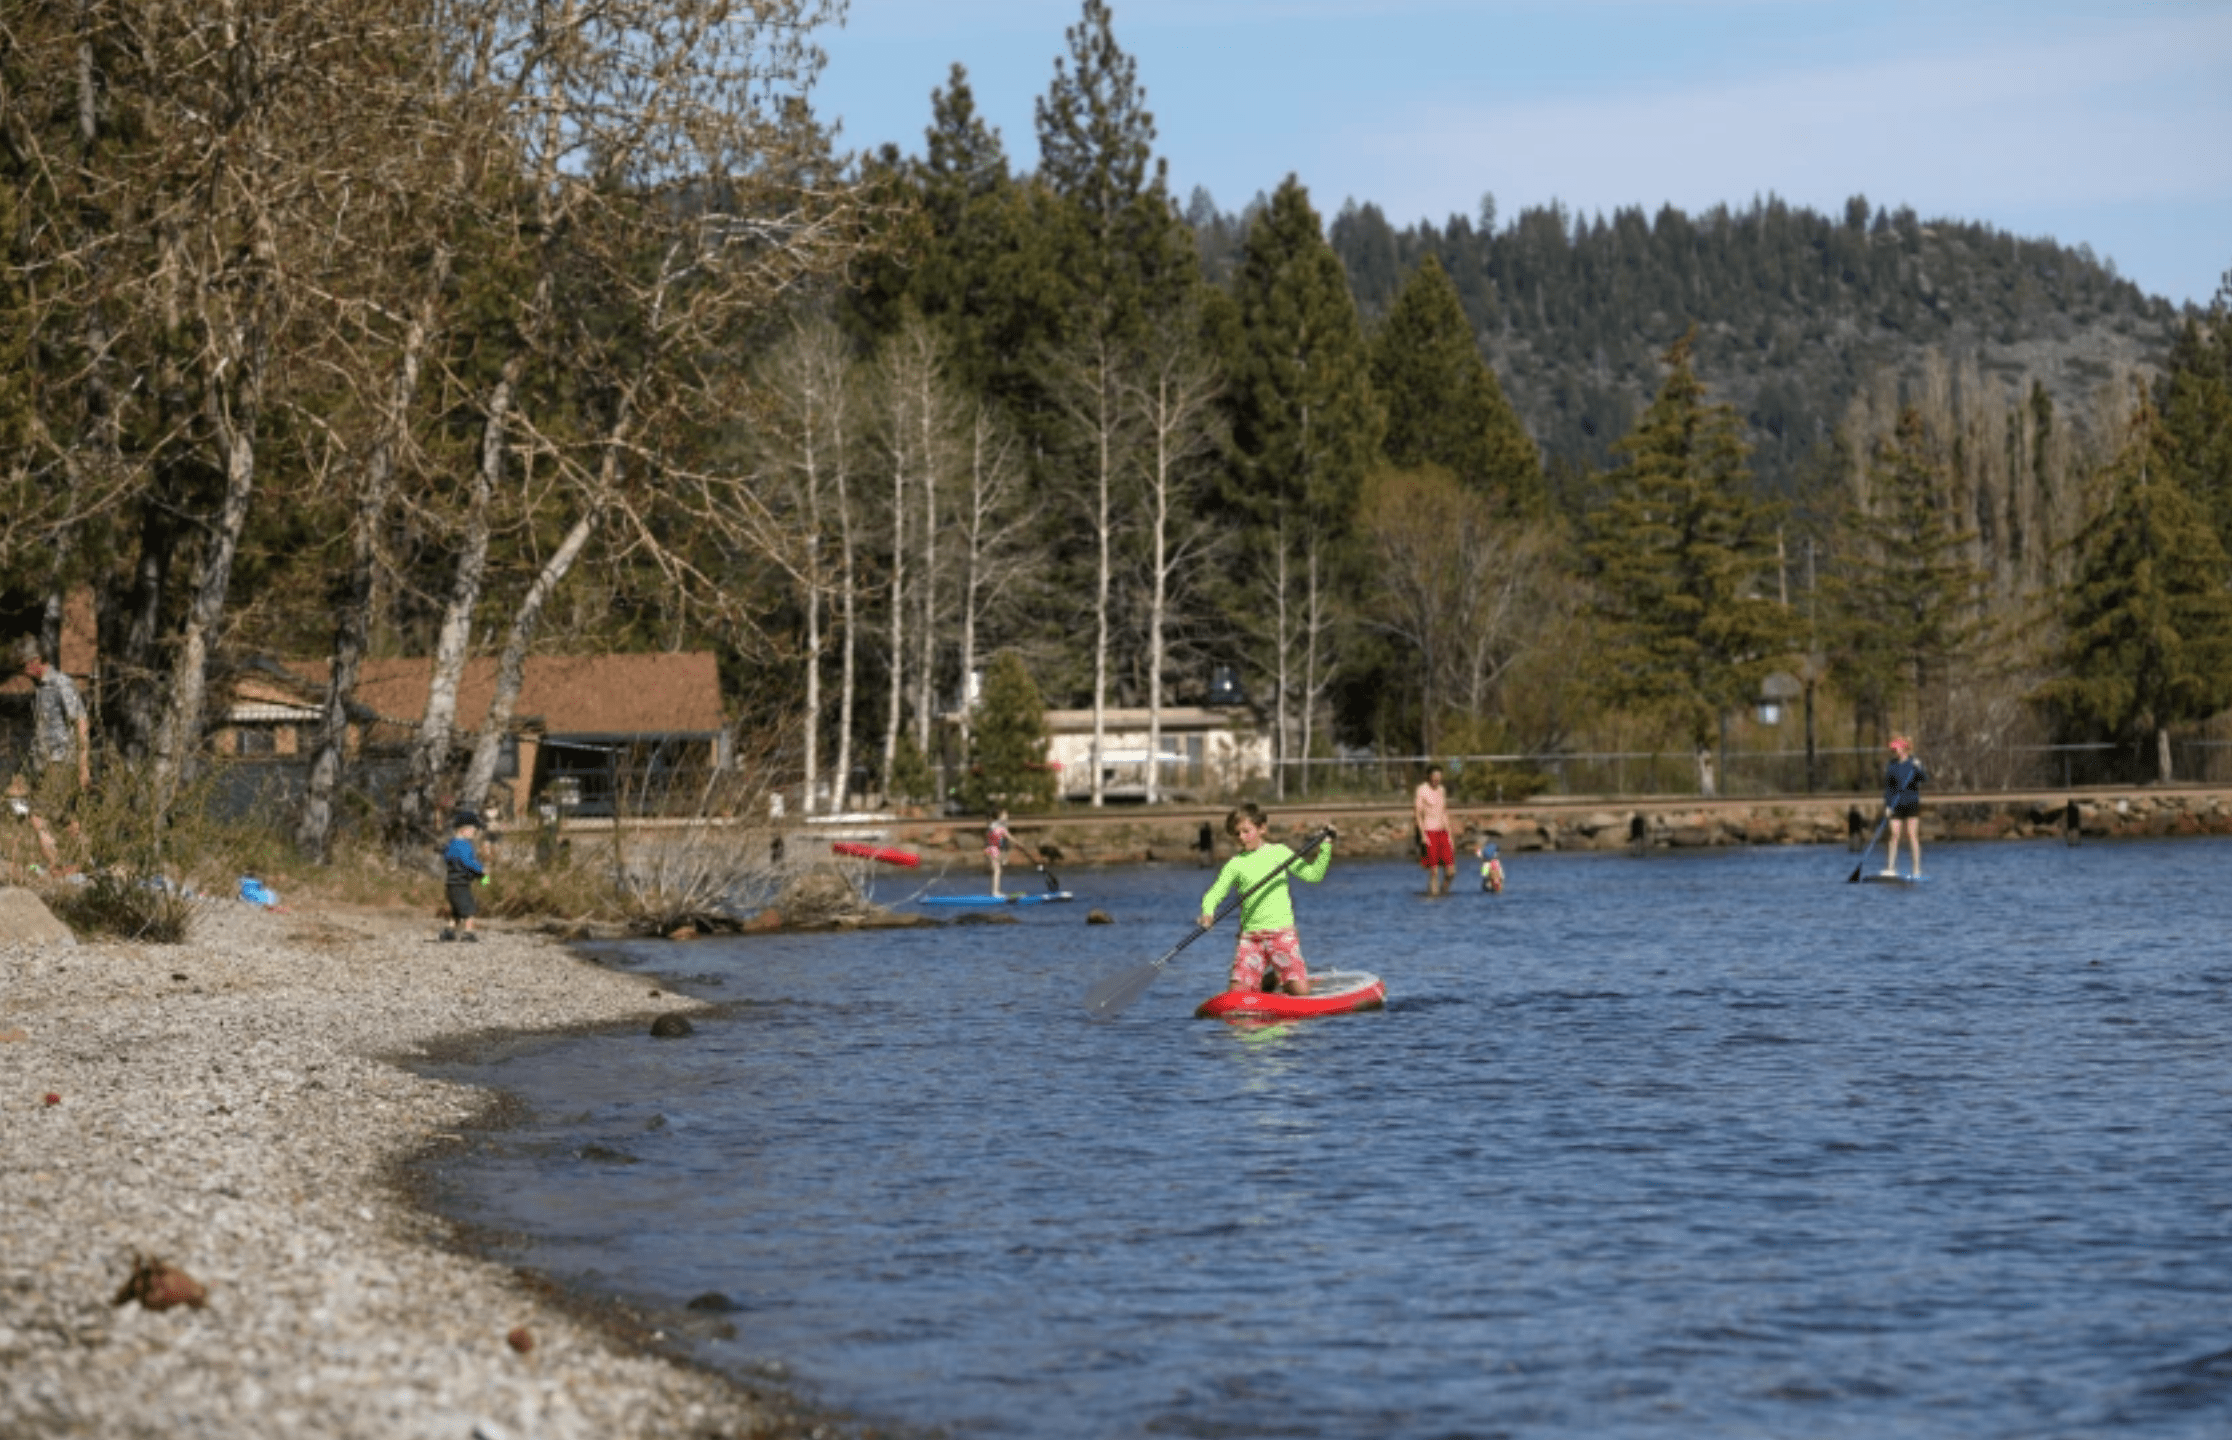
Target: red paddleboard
1331	993
875	852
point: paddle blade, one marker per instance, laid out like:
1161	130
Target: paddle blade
1111	995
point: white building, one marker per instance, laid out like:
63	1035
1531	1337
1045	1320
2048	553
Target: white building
1208	752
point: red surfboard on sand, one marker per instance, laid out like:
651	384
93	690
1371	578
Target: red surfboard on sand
1331	993
876	852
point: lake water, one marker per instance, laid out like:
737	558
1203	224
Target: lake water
1702	1144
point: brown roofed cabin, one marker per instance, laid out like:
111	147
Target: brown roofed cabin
602	733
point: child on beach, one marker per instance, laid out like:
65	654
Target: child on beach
1267	936
462	868
995	847
1491	869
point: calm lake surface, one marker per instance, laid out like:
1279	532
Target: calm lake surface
1706	1144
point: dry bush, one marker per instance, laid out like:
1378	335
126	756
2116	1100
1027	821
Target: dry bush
139	859
706	873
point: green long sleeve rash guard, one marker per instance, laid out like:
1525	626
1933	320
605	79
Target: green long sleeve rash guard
1269	908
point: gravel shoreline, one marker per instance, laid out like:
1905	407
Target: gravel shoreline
235	1106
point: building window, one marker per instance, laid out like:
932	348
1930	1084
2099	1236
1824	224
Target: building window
255	740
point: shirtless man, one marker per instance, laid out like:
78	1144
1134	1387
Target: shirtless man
1430	813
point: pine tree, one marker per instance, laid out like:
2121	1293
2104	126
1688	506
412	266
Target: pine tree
1682	551
2148	622
911	777
2195	395
1443	404
968	249
1121	243
1007	746
1907	596
1305	430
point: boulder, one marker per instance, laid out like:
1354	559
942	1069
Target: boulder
25	920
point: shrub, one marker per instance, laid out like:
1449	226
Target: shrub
140	858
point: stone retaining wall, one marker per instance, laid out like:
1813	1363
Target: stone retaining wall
1100	840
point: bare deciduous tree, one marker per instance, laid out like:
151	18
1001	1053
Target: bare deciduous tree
1174	394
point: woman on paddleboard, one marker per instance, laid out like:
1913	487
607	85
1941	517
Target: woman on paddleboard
1267	935
1903	779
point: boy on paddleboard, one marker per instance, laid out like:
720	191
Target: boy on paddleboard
1267	936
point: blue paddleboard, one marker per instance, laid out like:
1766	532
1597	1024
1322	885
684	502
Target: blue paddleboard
1894	879
997	899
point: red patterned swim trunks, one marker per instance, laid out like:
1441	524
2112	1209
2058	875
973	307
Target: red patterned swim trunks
1280	949
1439	852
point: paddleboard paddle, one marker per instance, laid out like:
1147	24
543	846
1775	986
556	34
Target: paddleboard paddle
1854	877
1053	881
1111	995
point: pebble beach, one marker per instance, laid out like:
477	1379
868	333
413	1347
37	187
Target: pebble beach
237	1110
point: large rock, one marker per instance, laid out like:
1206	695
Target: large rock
25	920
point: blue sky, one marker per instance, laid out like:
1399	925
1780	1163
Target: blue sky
2103	124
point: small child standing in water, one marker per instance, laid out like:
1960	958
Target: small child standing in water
462	869
1491	869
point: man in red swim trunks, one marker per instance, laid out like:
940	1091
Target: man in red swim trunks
1430	812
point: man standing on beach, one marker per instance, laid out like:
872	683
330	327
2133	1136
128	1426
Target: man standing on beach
60	733
1430	813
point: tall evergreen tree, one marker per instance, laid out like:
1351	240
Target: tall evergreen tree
2195	395
1443	404
1007	746
968	249
1121	243
2149	621
1906	596
1682	552
1305	431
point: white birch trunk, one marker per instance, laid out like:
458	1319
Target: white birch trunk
1103	525
1282	741
417	817
897	638
972	563
1158	595
929	414
511	664
848	603
352	630
236	327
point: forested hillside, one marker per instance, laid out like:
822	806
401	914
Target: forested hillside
1795	310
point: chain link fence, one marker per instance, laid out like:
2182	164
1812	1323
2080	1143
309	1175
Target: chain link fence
1649	774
